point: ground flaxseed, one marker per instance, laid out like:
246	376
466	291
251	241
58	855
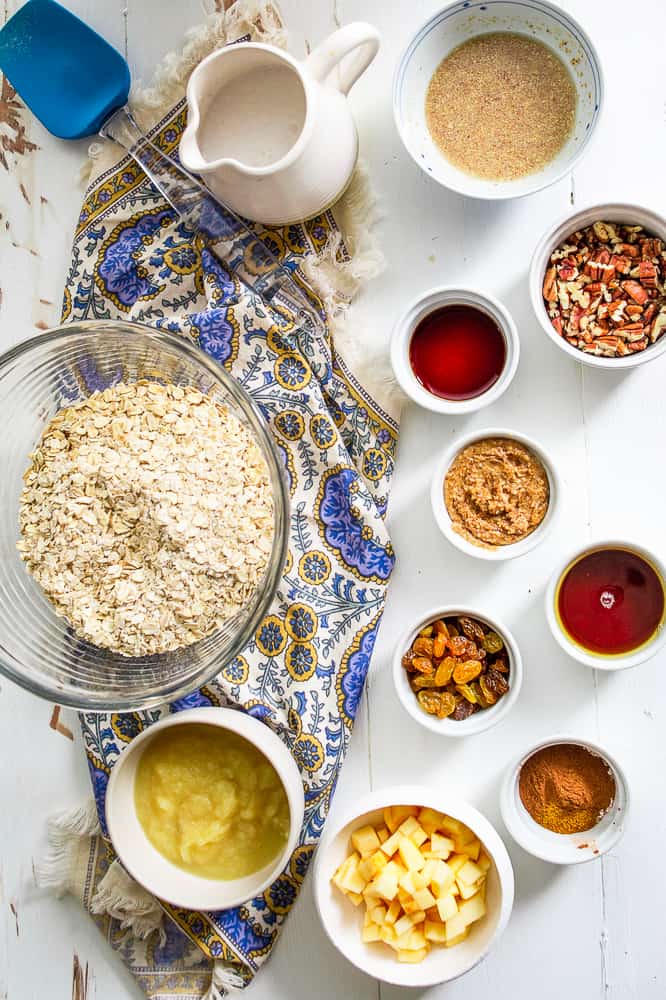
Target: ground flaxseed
501	106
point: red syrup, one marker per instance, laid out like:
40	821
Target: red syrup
611	601
457	352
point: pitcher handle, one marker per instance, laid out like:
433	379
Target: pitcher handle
357	36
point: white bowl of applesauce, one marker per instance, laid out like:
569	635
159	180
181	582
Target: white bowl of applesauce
205	807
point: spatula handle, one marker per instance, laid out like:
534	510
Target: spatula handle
223	232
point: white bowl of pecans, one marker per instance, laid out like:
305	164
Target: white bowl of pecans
424	862
598	285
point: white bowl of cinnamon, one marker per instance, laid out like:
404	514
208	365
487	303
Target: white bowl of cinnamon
565	800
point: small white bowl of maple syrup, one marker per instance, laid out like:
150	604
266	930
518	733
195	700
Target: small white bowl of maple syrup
606	605
455	350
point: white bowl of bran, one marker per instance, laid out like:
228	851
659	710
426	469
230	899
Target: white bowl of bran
446	30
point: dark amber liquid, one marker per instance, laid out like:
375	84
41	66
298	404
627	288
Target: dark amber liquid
611	601
457	352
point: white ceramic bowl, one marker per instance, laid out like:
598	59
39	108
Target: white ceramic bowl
428	302
603	661
455	24
480	721
564	848
153	871
343	922
633	215
441	513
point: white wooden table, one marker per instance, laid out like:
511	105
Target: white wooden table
591	931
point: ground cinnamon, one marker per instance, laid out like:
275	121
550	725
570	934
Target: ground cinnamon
566	788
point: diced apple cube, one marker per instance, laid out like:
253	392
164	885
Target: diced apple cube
473	849
412	956
441	846
411	940
430	819
456	940
372	864
385	884
467	891
395	815
378	914
370	933
355	897
393	912
484	862
387	934
412	881
412	828
469	873
390	846
342	870
429	870
443	879
455	926
352	880
472	909
407	902
448	824
408	921
424	898
382	834
456	862
365	840
447	907
410	855
434	931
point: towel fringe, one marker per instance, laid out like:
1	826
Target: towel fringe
123	899
225	980
337	281
66	831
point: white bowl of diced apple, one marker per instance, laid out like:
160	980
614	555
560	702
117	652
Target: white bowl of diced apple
416	889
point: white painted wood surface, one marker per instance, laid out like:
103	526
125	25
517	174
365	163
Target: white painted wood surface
592	931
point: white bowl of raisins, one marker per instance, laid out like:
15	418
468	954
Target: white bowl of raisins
457	671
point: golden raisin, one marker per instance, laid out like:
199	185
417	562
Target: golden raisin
447	705
430	701
419	681
466	692
441	628
445	671
423	645
467	671
423	665
439	646
492	642
489	696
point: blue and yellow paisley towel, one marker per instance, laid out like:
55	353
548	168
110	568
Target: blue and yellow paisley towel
303	671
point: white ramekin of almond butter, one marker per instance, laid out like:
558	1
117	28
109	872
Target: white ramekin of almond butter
495	494
597	285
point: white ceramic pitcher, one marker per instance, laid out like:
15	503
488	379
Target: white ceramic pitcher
273	137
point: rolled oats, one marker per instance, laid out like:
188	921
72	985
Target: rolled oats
146	516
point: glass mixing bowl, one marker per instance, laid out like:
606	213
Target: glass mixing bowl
37	647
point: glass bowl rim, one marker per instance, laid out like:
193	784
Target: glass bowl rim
275	567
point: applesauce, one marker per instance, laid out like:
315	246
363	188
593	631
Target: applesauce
210	802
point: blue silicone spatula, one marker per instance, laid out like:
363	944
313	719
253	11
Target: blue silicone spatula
77	85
